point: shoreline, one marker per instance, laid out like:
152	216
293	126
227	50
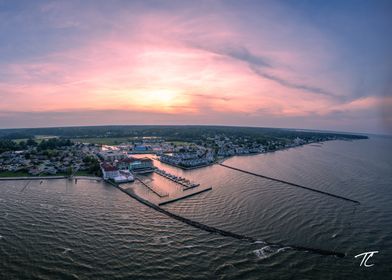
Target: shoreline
49	178
217	161
221	160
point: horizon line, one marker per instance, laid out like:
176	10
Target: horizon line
195	125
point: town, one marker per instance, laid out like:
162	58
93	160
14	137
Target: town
59	155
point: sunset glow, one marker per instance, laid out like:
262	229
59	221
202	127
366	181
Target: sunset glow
254	63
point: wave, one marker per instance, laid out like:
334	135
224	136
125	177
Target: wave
269	251
66	250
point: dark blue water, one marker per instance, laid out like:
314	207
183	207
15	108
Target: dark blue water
90	230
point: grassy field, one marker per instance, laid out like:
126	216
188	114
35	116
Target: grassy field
37	138
14	174
116	140
179	143
84	173
103	141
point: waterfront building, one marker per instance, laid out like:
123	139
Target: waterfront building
123	164
187	160
109	171
135	164
125	176
141	164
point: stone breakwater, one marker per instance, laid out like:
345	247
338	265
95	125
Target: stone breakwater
214	230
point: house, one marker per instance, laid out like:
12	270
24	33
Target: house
109	171
34	171
111	155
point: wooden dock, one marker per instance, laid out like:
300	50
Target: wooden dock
158	193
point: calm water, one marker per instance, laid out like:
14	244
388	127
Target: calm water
89	230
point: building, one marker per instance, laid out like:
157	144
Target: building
141	148
123	164
187	160
111	155
135	164
142	164
109	171
125	176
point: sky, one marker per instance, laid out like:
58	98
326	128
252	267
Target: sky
293	64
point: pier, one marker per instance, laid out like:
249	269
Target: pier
182	181
158	193
289	183
214	230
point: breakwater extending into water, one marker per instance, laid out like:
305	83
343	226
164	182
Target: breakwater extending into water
214	230
291	184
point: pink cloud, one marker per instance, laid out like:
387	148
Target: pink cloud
168	64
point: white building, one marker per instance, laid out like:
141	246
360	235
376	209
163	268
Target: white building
111	155
119	176
125	176
109	171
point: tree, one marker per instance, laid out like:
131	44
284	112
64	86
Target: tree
30	142
69	171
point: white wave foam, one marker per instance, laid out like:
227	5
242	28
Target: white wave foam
162	240
46	206
269	251
66	250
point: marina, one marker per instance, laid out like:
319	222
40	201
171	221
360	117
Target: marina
179	180
185	184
